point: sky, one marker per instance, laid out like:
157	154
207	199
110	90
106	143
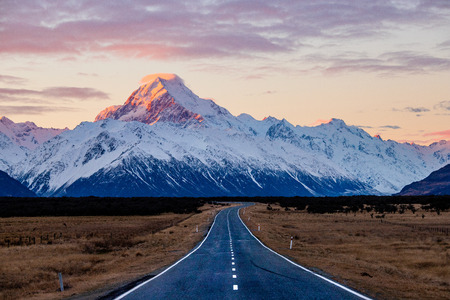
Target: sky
381	65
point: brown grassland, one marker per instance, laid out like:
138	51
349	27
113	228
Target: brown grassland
94	254
402	256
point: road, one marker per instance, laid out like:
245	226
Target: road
231	263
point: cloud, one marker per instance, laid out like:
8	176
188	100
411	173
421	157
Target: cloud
412	110
442	135
74	93
87	74
244	29
33	109
12	80
443	105
387	63
416	109
390	127
9	94
320	122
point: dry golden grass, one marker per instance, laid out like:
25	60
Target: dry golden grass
404	257
94	254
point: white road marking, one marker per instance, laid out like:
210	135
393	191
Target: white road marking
303	268
183	258
233	269
232	263
235	287
234	276
232	258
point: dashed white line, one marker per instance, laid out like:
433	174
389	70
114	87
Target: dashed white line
235	287
233	269
234	276
232	263
232	258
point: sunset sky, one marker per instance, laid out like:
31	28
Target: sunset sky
378	64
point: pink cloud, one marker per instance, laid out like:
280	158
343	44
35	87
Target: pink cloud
320	122
441	135
176	29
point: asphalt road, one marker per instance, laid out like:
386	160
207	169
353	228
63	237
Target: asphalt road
231	263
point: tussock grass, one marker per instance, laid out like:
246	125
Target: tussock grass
95	254
397	257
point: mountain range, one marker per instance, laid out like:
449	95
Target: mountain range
166	141
437	183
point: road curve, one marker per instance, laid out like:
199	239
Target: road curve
231	263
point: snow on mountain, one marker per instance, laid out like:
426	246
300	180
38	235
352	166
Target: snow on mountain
112	157
384	165
27	134
166	141
10	153
165	98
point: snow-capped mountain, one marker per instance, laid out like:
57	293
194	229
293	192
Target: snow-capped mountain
27	134
10	153
112	157
166	141
165	98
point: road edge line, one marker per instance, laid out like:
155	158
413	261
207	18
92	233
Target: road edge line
171	266
303	268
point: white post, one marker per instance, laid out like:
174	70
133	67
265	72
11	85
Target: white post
196	228
290	247
61	285
244	212
259	228
249	218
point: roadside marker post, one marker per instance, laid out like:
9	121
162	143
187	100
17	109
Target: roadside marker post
196	228
290	247
61	285
259	228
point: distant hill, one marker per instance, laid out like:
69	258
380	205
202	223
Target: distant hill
437	183
9	187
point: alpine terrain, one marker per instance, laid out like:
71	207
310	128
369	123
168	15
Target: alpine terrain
9	187
166	141
438	183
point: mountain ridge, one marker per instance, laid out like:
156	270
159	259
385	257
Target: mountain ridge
437	183
166	141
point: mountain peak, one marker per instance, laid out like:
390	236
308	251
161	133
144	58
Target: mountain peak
165	98
6	121
27	134
337	122
160	76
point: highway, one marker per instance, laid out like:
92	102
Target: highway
231	263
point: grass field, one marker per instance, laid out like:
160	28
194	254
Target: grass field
400	256
95	254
